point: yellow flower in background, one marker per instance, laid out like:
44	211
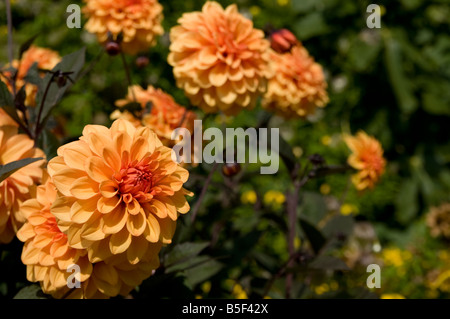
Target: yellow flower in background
367	158
299	85
219	59
438	220
274	199
326	140
48	256
325	189
120	192
395	256
17	188
46	59
323	288
392	296
347	209
139	22
164	116
249	197
238	292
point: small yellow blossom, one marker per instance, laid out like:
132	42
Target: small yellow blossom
323	288
274	198
325	140
325	189
283	3
248	197
206	287
392	296
255	10
347	209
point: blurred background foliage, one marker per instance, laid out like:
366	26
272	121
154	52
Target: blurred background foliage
392	82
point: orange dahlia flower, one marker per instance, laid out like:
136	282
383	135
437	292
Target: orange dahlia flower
120	191
139	22
298	86
15	189
165	114
219	59
46	59
49	257
367	158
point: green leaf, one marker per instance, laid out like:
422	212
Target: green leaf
50	144
33	76
313	206
26	45
303	6
203	272
310	26
7	102
406	202
339	225
70	63
315	237
183	252
328	263
10	168
401	85
286	153
31	292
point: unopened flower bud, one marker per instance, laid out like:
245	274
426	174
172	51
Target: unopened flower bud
142	62
283	40
231	169
112	48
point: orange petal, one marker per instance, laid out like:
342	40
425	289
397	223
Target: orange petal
84	188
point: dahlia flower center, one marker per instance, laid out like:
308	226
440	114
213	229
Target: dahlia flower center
226	43
373	161
136	179
51	227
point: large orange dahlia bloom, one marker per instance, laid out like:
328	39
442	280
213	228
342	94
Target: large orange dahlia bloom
367	158
139	22
219	59
120	191
298	86
46	59
15	189
50	259
165	114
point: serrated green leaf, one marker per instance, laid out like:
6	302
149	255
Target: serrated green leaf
10	168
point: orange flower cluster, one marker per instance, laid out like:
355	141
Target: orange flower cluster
367	158
49	257
18	187
298	86
164	116
219	59
138	21
109	203
46	59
